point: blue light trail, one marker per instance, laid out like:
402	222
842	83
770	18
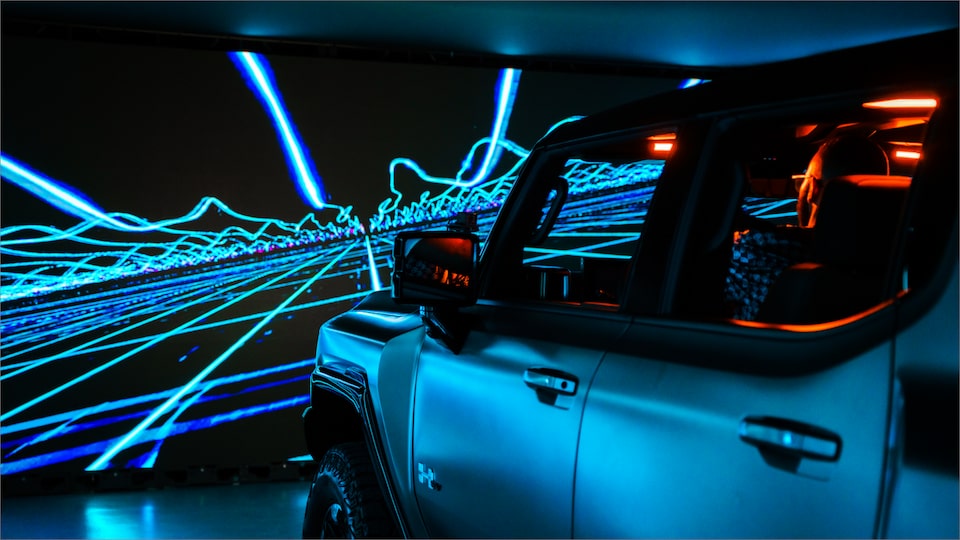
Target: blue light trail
257	72
9	429
178	306
507	86
690	83
103	367
372	267
104	460
54	193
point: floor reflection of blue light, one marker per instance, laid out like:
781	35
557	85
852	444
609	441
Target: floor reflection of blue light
108	522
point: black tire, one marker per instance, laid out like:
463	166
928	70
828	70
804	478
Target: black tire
345	499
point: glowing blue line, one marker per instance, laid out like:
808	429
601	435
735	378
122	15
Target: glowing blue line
507	86
52	192
157	339
179	307
554	253
9	429
593	234
167	429
200	328
104	460
585	251
372	267
45	436
253	65
509	81
689	83
60	456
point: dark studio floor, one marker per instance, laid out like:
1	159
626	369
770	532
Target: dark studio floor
256	510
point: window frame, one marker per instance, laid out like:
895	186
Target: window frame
725	154
502	258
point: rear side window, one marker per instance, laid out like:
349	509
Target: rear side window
816	230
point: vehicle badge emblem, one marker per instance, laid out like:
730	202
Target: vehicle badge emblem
425	475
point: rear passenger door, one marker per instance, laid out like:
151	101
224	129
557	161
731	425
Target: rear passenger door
700	425
685	444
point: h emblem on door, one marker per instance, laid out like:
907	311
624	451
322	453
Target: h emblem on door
425	475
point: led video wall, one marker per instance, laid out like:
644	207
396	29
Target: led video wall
177	224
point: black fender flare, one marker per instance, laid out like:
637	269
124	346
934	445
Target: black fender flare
352	414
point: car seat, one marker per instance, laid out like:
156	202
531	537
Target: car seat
853	240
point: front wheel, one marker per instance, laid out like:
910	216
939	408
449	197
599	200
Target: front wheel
345	499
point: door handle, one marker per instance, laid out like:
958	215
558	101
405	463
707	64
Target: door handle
550	380
793	438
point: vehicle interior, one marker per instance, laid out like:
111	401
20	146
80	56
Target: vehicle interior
845	263
593	216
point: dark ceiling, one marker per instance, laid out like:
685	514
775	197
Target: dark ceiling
615	36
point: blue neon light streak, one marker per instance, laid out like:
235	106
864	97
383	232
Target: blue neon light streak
86	349
507	86
9	429
585	252
39	399
767	208
104	460
166	430
14	467
126	328
256	69
690	83
56	194
372	267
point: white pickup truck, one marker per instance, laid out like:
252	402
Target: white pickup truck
584	370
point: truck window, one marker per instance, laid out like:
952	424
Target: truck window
591	220
817	229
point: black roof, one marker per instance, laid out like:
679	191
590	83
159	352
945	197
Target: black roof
931	58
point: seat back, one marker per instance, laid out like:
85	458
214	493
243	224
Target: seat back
853	240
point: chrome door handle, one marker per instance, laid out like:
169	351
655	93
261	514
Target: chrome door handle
551	380
794	438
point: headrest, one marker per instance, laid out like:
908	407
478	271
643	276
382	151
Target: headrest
858	220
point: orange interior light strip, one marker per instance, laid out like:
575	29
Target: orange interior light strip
662	146
907	154
903	103
820	327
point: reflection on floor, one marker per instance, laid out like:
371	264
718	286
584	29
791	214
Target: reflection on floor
256	510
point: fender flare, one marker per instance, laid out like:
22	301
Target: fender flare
350	390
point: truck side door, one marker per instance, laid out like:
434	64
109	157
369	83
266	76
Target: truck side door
704	425
496	427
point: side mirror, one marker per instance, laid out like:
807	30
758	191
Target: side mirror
435	269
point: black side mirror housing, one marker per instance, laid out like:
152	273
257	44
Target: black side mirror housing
435	269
